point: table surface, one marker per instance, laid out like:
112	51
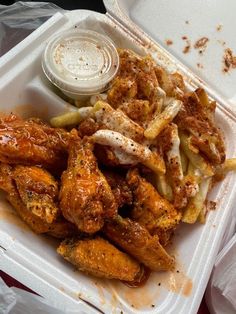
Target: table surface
95	5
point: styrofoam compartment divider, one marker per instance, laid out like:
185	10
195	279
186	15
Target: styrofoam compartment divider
32	259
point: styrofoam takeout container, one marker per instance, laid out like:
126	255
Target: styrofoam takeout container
32	259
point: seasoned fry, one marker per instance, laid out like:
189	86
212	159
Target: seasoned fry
163	186
116	120
196	204
184	161
229	165
71	118
161	120
196	159
137	151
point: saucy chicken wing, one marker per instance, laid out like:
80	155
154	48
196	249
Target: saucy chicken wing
38	191
151	210
85	196
137	241
32	142
119	187
99	258
59	228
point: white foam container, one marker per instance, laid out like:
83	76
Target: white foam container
32	259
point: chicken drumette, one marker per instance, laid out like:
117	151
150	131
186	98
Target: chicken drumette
85	196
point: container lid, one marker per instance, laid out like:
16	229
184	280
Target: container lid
202	42
80	61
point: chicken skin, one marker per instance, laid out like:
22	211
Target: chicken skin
99	258
151	210
85	196
38	191
59	228
119	187
32	142
135	240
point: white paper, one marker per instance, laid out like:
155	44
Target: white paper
17	301
221	290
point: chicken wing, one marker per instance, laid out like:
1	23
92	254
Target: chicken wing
150	210
137	241
99	258
32	142
119	187
85	196
38	191
59	228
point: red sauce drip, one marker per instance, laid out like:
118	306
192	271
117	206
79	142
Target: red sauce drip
141	279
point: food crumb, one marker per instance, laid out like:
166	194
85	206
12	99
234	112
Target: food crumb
221	42
201	44
188	44
169	42
211	205
229	60
219	27
199	65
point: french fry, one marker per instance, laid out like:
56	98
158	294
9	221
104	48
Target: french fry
203	98
229	165
197	160
184	161
163	186
123	144
161	120
116	120
196	203
71	118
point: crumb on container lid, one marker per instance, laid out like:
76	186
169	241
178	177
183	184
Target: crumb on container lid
80	62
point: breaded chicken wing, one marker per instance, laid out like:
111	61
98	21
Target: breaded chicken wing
85	196
32	142
151	210
99	258
137	241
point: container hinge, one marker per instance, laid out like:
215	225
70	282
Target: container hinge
130	33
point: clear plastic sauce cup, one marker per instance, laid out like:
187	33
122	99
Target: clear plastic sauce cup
81	63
